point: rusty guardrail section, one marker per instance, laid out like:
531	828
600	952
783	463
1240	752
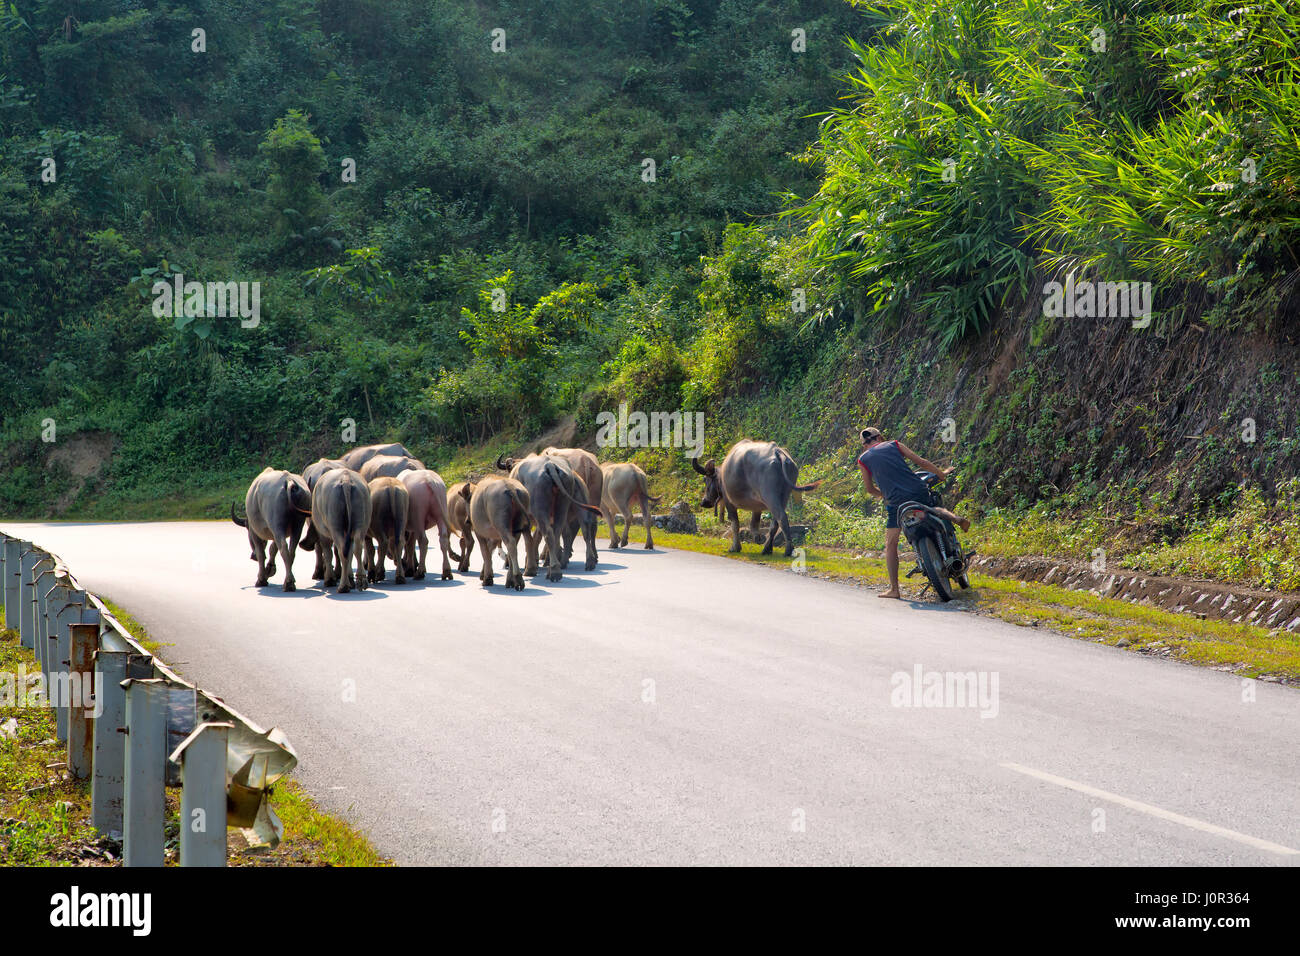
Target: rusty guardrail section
133	726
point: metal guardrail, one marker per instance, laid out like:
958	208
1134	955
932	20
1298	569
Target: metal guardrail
133	726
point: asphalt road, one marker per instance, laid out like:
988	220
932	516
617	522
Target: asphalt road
675	708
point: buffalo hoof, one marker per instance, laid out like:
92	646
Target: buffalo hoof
259	583
554	576
767	550
486	582
290	586
590	565
649	546
519	583
399	580
532	573
344	588
447	575
419	575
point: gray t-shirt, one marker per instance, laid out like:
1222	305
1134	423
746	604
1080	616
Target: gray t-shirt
892	474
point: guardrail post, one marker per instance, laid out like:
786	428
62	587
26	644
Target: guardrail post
43	580
110	744
26	622
83	641
202	757
4	576
143	804
67	614
13	575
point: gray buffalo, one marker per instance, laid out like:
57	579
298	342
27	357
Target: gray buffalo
357	457
311	474
625	485
551	486
340	512
389	466
586	520
458	520
586	466
754	476
275	507
499	510
428	509
390	508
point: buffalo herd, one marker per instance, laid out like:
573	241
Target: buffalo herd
378	503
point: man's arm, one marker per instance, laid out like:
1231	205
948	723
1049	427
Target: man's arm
922	463
866	480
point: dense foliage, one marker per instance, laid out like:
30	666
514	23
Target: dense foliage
1122	140
478	174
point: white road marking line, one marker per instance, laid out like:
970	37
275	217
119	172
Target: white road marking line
1155	811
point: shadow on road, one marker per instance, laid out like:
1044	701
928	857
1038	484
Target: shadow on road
498	587
369	594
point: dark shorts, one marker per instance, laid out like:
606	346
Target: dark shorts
891	509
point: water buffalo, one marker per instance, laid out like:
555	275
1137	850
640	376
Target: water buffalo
588	468
340	512
428	509
275	507
357	457
755	476
625	485
458	520
499	512
311	474
390	509
586	520
551	486
388	466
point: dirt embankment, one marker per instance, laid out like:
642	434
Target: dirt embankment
1206	600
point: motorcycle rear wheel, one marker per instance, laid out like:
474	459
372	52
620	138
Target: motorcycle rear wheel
928	555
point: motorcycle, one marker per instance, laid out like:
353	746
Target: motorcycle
939	555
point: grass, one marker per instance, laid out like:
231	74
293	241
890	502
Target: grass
1245	649
45	815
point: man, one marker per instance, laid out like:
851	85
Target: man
887	474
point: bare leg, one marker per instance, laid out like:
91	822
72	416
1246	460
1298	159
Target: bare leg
963	523
891	563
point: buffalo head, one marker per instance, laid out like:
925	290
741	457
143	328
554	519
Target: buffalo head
712	484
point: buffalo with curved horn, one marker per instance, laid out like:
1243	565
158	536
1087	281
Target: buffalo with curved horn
757	476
